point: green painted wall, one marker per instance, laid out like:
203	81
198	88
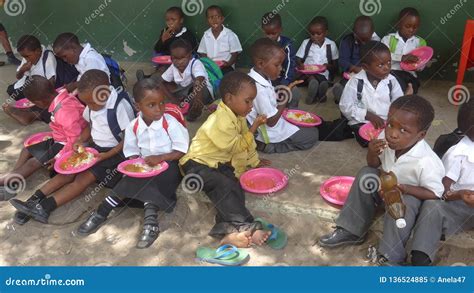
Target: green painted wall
128	29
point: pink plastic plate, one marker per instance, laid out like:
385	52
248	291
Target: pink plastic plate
163	166
65	156
316	119
219	63
312	69
423	53
263	180
347	75
23	104
37	138
336	189
165	59
369	132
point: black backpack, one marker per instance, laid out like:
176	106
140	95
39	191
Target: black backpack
360	87
445	141
65	73
332	72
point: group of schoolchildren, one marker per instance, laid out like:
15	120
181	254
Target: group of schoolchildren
63	85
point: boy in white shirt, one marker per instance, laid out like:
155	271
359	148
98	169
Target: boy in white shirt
402	150
456	213
36	61
317	50
84	58
186	80
367	95
157	137
218	42
401	43
277	135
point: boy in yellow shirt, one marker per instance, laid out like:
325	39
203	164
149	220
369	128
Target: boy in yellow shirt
222	149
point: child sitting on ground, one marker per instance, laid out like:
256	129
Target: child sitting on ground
272	27
349	50
67	47
157	137
276	135
218	42
456	213
368	94
317	50
402	150
66	126
186	80
173	31
108	114
401	43
223	148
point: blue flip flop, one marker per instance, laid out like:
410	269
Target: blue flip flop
278	239
226	255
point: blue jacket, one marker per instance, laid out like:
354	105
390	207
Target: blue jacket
349	52
288	67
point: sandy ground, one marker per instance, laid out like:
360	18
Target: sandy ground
299	209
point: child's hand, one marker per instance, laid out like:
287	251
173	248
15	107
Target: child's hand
295	83
468	197
225	64
410	58
77	146
50	164
168	33
101	156
376	146
260	120
264	163
153	160
376	120
25	67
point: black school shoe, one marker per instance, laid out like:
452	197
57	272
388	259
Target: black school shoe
340	237
149	235
91	225
36	212
21	218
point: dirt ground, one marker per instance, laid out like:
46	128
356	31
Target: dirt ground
299	209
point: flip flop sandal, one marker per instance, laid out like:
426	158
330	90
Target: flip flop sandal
278	239
226	255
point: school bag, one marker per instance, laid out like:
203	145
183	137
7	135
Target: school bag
112	115
117	74
65	73
445	141
170	109
332	72
214	73
393	42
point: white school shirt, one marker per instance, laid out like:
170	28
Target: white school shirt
402	48
318	55
459	164
154	139
90	59
375	100
265	103
48	71
184	79
221	48
420	166
100	131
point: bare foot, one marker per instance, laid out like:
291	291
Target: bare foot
259	237
240	239
409	90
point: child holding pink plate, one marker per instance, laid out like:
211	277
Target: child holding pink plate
157	137
66	126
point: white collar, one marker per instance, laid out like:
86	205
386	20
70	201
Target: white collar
182	31
323	45
87	47
222	33
465	147
112	98
418	151
363	75
155	125
397	35
259	78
